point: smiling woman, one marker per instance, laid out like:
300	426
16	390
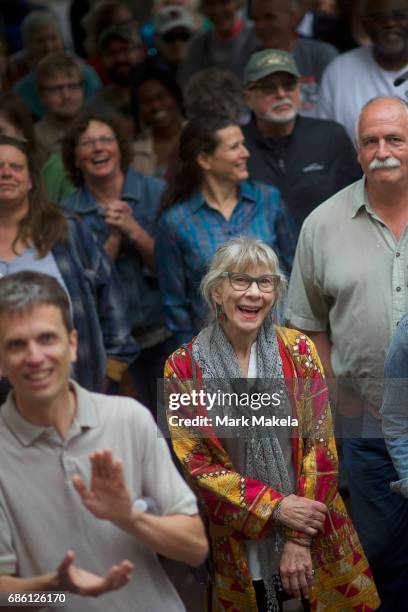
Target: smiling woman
209	200
268	492
120	205
157	111
35	235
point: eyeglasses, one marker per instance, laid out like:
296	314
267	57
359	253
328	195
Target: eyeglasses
272	87
89	143
13	166
171	37
71	87
241	282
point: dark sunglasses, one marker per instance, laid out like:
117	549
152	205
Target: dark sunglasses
271	87
171	37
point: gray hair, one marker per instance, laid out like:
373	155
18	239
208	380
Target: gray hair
34	20
237	255
24	290
388	99
213	90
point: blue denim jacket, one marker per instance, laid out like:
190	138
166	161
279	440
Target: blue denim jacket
394	409
189	234
143	194
98	303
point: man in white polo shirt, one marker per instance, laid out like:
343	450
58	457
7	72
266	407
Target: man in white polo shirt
68	518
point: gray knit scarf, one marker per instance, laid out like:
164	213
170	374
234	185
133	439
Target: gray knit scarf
264	460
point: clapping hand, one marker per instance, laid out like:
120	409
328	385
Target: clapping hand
119	215
74	579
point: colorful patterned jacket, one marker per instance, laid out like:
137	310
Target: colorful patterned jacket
239	508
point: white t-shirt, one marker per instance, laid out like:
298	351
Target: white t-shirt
350	81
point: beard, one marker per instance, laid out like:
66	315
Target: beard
272	116
391	49
121	74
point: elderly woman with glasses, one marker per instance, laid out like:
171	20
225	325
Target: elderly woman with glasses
256	443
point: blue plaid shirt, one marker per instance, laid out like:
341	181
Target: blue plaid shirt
98	304
189	234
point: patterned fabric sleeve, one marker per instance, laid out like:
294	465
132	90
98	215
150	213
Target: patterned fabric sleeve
230	499
317	456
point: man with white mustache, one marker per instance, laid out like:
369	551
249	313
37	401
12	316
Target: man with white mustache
308	159
390	162
349	291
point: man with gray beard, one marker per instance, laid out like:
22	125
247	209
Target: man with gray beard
308	159
348	291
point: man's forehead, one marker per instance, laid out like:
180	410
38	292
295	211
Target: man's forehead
71	74
39	314
270	6
371	7
44	30
378	126
385	111
11	153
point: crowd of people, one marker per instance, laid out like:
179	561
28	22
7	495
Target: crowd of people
203	237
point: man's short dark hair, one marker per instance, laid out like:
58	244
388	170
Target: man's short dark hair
54	64
24	290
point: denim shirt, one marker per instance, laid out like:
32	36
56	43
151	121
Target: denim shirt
143	195
189	234
394	409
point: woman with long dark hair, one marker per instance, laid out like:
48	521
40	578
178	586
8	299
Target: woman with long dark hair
208	201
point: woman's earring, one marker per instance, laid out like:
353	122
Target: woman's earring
220	313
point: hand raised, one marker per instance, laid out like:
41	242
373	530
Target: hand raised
76	580
108	496
303	514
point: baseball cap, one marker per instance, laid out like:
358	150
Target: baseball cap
171	17
269	61
119	30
